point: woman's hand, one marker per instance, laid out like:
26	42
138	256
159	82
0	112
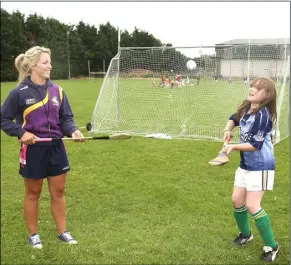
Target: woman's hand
77	136
28	138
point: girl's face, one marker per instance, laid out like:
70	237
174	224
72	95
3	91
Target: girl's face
43	67
255	95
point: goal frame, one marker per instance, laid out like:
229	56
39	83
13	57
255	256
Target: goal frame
276	130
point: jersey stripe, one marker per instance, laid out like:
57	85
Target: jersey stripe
34	107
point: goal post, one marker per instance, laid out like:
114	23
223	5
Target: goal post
94	75
150	90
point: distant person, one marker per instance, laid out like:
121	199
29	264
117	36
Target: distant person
198	79
40	109
164	80
246	81
178	80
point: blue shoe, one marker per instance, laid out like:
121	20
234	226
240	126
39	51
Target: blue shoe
67	238
34	241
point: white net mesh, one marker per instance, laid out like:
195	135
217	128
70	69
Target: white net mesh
150	90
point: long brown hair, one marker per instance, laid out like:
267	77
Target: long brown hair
270	101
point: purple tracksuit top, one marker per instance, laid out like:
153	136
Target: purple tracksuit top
42	110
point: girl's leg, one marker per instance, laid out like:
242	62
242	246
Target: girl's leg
240	213
261	218
263	224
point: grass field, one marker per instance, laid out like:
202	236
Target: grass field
141	201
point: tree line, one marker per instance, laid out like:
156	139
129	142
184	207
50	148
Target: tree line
72	45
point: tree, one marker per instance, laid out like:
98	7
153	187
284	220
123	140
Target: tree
13	42
70	45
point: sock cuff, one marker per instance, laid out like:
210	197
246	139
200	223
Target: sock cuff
259	214
241	209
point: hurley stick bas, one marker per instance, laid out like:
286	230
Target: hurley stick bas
222	157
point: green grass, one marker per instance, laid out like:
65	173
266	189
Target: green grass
140	201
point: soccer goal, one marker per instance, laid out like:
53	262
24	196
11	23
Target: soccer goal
150	90
95	75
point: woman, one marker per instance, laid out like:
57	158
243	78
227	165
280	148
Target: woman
40	109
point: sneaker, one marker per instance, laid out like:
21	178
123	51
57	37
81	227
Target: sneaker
269	254
34	241
241	239
67	238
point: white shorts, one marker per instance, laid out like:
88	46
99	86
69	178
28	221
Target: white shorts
254	180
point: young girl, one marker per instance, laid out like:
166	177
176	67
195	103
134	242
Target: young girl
255	174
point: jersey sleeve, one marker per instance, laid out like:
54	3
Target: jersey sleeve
234	119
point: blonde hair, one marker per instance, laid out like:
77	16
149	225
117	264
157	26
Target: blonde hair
25	61
270	102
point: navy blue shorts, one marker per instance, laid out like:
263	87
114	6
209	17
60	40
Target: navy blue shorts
41	160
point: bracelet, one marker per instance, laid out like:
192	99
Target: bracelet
227	130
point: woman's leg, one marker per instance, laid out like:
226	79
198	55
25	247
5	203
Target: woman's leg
58	207
33	189
56	185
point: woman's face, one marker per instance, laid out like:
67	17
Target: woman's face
43	67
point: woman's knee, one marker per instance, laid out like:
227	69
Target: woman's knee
33	189
57	186
57	193
33	193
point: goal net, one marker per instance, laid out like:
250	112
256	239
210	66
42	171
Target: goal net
151	91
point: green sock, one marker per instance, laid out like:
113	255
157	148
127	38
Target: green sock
241	217
263	224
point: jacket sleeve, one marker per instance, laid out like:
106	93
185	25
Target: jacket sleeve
234	119
67	123
9	111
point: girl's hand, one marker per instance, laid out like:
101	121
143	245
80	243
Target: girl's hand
228	149
227	136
